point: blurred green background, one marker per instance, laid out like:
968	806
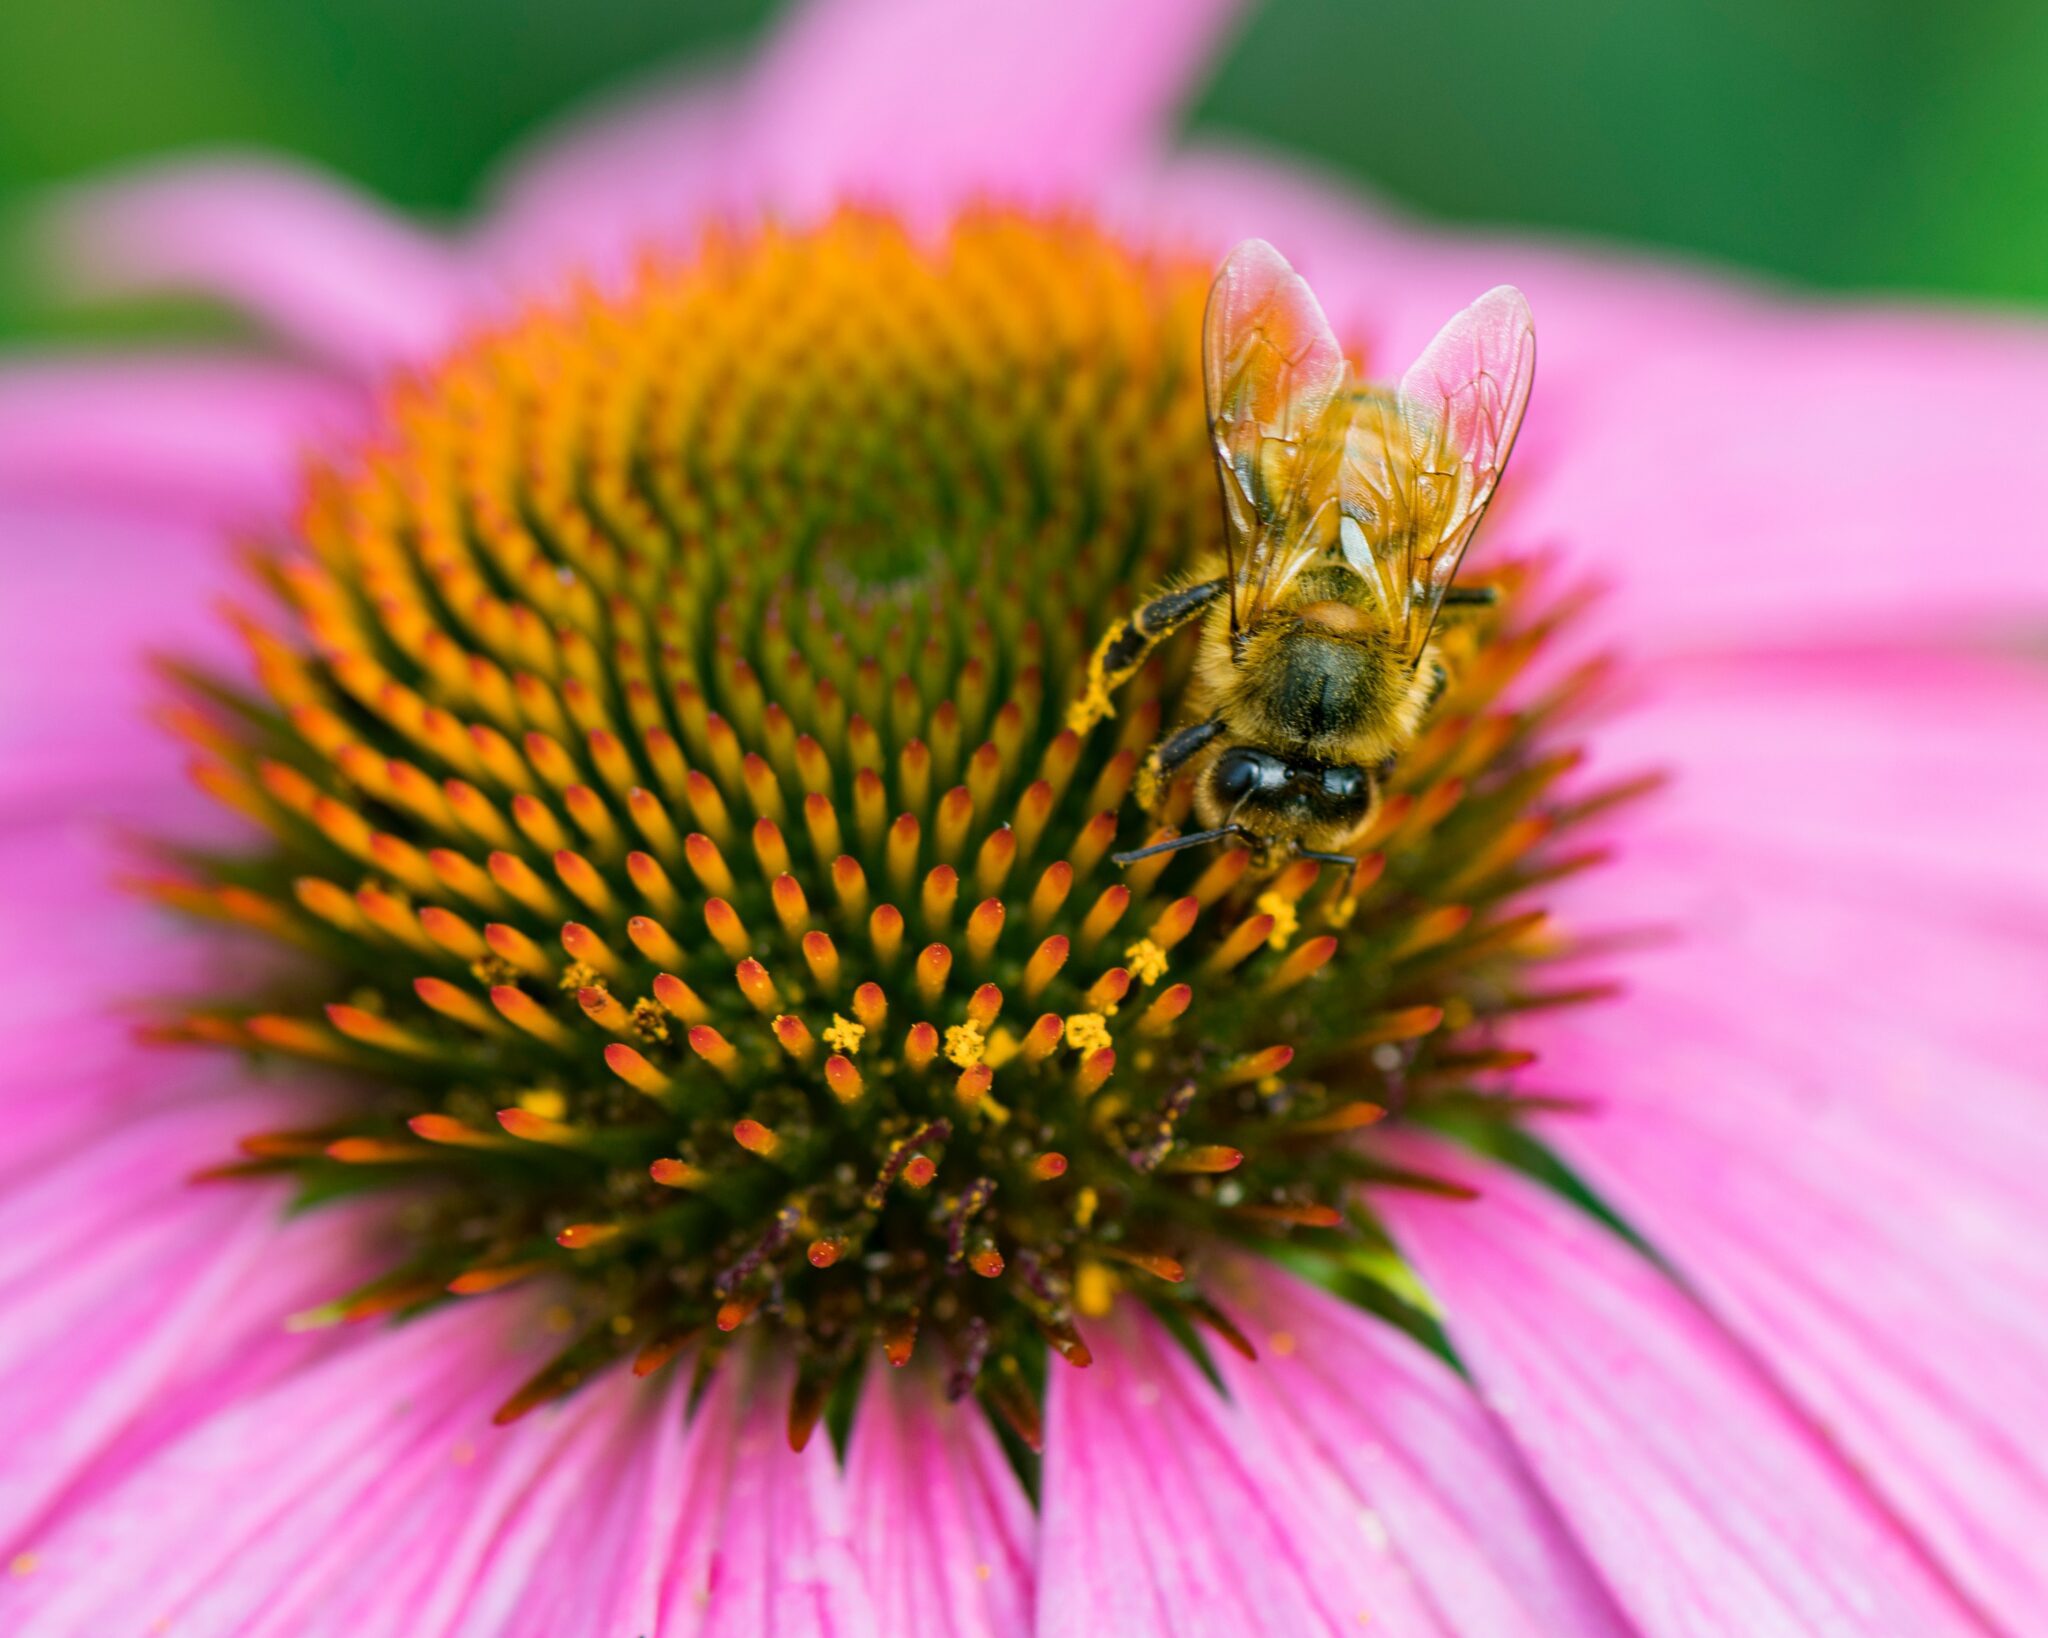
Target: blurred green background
1848	143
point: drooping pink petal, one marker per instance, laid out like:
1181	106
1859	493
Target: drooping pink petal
919	104
214	1529
1418	1461
944	1530
367	1495
1822	1099
1707	1501
1162	1514
326	268
1744	469
93	601
212	440
98	963
1912	774
139	1303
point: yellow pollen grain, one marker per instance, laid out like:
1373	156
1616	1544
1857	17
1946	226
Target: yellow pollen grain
1146	961
22	1564
544	1102
1339	914
1094	1289
580	975
1280	1344
650	1023
845	1035
1286	923
493	970
1084	1208
965	1045
1087	1031
622	1324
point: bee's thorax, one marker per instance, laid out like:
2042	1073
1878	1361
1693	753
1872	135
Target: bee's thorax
1334	616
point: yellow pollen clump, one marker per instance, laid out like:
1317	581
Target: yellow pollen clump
1286	922
965	1044
1087	1031
1146	961
580	975
544	1102
1094	1289
648	1022
844	1035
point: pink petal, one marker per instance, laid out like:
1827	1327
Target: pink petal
918	103
944	1530
368	1496
323	266
211	1531
785	1561
92	601
1823	1102
1162	1513
1907	773
1732	461
138	1303
1708	1503
195	439
1335	1391
102	961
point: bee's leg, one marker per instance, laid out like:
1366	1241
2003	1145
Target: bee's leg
1166	757
1471	597
1439	680
1124	646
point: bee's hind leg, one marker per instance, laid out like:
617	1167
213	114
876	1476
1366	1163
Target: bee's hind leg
1166	758
1124	646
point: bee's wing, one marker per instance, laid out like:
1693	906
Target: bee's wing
1461	405
1275	378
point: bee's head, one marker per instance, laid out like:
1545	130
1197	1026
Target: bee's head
1313	802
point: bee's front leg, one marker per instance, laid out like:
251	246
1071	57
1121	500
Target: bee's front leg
1166	758
1124	646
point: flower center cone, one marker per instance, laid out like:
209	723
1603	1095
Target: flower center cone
693	896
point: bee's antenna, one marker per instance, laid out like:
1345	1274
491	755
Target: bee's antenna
1173	844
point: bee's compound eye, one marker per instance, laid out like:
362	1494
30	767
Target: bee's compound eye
1347	784
1242	770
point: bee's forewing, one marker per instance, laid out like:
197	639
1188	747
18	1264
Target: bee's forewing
1462	404
1274	373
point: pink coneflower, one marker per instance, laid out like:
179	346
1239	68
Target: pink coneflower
603	897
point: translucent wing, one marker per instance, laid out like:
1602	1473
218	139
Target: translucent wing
1421	464
1275	377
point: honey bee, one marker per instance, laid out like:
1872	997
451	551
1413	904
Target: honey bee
1347	511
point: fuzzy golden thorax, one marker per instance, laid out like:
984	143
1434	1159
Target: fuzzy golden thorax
1315	678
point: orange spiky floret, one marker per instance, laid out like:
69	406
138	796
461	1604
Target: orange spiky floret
661	741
